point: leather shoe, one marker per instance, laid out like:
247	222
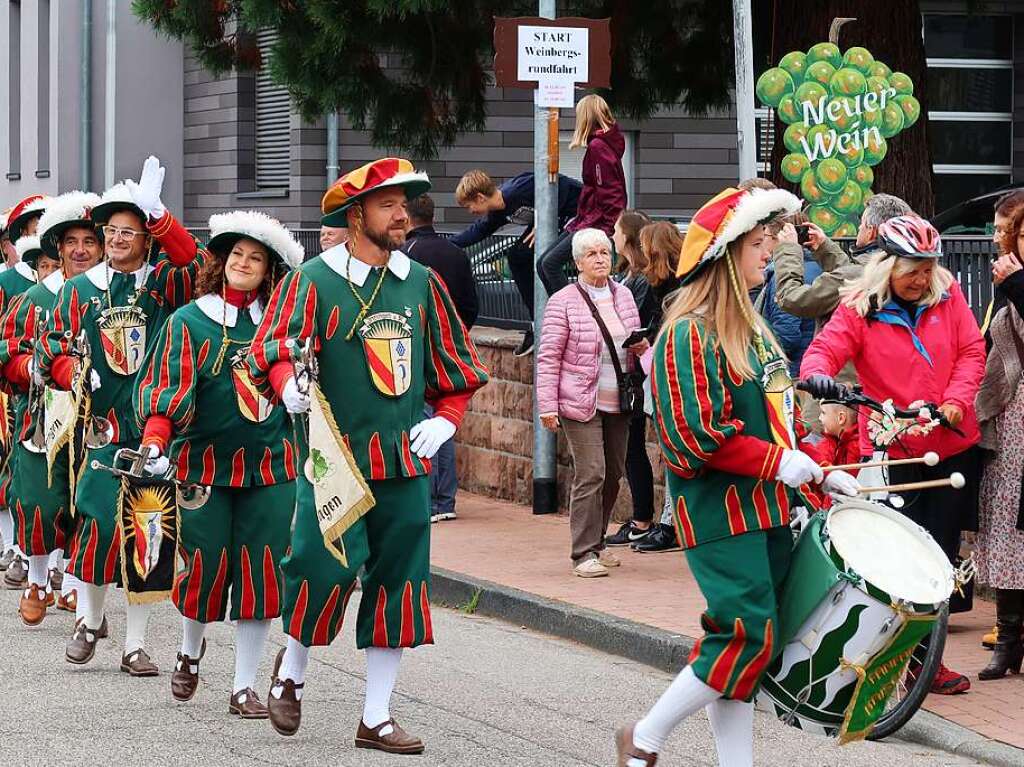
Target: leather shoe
82	645
137	663
16	576
32	605
56	579
628	752
285	710
246	704
185	680
68	602
396	741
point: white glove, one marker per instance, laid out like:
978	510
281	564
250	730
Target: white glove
294	401
157	464
797	468
428	435
146	193
840	483
94	379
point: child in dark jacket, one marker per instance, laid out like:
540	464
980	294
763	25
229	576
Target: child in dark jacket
603	196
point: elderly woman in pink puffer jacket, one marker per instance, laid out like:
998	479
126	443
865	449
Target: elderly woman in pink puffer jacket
577	388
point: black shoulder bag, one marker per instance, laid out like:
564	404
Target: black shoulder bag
631	384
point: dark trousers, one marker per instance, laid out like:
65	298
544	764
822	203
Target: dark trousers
551	265
444	482
520	264
639	473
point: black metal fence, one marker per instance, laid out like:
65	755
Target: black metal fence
969	258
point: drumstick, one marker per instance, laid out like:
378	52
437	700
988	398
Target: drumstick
956	480
928	459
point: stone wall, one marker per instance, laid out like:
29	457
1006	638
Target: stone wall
494	453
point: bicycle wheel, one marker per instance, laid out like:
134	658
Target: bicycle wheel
910	690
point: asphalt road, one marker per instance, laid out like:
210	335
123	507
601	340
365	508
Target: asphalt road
488	694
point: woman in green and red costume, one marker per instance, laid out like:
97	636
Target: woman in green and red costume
725	413
149	269
388	339
200	408
21	224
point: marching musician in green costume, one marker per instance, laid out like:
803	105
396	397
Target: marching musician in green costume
387	339
196	394
725	413
20	225
40	495
121	304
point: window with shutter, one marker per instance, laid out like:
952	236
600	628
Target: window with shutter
273	113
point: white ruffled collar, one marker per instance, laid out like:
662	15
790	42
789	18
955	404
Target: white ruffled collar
214	307
25	270
338	257
98	275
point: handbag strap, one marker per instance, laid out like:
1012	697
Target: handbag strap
616	363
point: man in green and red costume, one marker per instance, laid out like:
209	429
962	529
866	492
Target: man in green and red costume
22	221
121	304
387	339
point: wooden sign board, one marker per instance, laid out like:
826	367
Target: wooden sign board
593	65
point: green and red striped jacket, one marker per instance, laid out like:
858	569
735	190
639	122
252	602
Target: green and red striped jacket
411	348
225	432
716	439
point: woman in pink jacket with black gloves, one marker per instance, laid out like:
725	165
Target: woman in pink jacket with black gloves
912	338
578	389
603	196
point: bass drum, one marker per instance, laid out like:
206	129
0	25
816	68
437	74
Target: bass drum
859	575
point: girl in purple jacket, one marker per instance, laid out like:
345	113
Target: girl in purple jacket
604	186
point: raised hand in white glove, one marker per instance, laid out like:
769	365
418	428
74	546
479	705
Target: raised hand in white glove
797	468
157	464
295	402
146	193
840	483
429	434
94	380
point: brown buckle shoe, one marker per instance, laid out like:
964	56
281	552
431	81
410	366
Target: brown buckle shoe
137	663
68	602
396	741
16	577
56	579
628	750
185	681
32	605
284	711
246	704
82	645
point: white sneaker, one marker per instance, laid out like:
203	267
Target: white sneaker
442	516
608	559
590	568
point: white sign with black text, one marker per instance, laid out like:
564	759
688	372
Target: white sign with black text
557	58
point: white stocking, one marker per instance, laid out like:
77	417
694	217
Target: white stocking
90	604
38	572
293	666
135	630
686	695
732	721
250	637
192	637
381	672
6	530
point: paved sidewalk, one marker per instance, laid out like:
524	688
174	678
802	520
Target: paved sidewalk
505	544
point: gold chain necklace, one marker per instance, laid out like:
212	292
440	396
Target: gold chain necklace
226	342
366	305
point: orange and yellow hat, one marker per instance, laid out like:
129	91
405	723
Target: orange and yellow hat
356	184
726	217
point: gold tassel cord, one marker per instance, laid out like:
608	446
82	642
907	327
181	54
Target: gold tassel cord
356	225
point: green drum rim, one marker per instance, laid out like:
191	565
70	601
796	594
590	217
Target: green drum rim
812	574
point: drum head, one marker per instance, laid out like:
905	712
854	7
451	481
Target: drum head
890	551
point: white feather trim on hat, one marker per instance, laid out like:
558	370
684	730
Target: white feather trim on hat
118	193
71	206
26	243
36	206
758	206
262	228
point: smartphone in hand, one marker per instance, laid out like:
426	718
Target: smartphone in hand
635	337
803	234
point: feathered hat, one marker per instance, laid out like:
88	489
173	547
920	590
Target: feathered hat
29	249
228	228
62	213
724	219
115	200
356	184
22	213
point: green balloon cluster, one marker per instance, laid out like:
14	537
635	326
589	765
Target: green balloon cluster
841	108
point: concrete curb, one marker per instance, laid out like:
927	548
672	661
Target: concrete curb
667	652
